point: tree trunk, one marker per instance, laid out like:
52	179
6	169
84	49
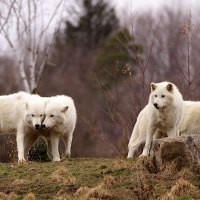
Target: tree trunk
23	74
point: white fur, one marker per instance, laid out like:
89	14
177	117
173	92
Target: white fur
60	121
35	111
12	111
191	119
33	117
138	135
153	122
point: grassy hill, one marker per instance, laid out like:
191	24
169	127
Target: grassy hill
110	179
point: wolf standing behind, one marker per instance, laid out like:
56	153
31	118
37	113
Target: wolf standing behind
59	122
163	114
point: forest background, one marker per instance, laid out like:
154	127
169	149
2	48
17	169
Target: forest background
104	60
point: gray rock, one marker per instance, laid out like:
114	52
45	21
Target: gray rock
183	151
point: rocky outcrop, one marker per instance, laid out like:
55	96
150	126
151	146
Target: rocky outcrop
183	151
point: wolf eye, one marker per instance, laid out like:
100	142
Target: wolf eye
51	115
155	95
32	115
41	115
163	96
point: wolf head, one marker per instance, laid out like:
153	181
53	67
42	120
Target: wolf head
54	115
162	95
35	111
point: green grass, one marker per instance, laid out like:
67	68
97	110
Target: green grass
197	181
185	198
129	179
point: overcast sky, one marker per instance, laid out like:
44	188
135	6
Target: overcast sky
126	8
143	5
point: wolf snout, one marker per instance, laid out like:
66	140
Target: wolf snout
156	105
44	126
37	126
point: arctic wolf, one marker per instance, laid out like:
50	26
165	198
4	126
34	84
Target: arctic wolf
33	117
189	125
12	111
162	115
60	121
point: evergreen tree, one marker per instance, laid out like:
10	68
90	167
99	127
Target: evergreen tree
98	29
117	57
94	26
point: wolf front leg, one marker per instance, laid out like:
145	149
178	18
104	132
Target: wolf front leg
173	132
55	144
20	145
149	139
67	139
49	148
134	146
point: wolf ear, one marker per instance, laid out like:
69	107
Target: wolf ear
64	109
170	87
153	86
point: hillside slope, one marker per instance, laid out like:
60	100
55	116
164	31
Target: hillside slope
110	179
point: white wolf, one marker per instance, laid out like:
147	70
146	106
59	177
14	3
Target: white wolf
33	117
162	115
60	121
12	113
189	125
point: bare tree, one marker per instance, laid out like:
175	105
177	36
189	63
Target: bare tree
32	35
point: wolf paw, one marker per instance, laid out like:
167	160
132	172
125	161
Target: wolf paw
56	160
65	156
129	157
143	155
22	161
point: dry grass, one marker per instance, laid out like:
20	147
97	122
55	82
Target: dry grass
185	173
143	169
18	182
144	164
81	179
30	196
62	175
108	181
181	188
63	197
2	196
98	192
170	169
121	164
141	188
11	196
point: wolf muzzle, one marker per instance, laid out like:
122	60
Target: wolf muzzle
156	105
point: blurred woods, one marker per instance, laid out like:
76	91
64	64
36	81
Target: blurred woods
104	64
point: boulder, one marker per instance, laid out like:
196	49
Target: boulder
183	151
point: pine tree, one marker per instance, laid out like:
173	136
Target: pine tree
116	58
94	26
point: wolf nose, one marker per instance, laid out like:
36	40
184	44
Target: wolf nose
37	126
156	105
43	126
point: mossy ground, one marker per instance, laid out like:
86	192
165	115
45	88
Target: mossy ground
104	178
